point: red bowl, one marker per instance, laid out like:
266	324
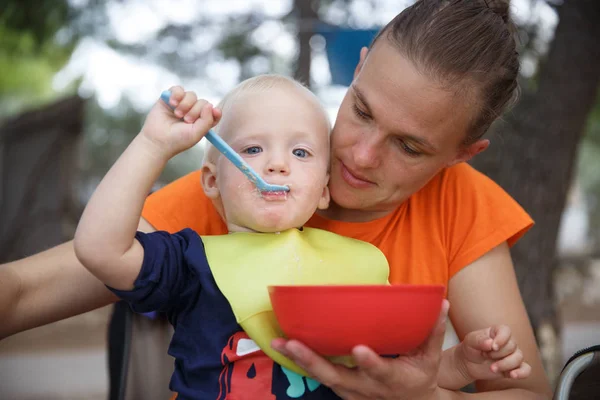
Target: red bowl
390	319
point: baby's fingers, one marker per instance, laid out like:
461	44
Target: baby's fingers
194	113
501	335
504	351
185	104
217	114
205	122
177	94
479	340
520	373
513	361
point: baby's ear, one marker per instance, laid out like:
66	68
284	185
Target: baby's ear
325	198
209	181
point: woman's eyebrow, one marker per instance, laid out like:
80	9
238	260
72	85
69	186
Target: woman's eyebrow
361	97
419	140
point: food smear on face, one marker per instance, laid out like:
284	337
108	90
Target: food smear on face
274	196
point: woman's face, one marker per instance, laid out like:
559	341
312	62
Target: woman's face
395	130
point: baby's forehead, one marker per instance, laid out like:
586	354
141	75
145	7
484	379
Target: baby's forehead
281	91
267	102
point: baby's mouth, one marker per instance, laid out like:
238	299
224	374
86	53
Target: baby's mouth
274	196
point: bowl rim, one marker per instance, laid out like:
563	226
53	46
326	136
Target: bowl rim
341	288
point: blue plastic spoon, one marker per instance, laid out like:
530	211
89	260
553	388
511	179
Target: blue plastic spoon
234	157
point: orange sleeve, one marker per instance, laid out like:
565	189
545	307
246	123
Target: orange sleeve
478	215
183	204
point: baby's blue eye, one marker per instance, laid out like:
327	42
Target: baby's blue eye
300	153
253	150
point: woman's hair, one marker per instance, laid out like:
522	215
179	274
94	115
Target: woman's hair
466	46
258	84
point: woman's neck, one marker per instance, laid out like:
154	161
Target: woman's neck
337	213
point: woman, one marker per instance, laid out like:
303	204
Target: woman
425	92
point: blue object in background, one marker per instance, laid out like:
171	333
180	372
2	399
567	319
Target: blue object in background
342	46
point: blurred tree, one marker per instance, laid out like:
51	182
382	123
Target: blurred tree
189	50
108	132
307	17
536	146
587	172
31	52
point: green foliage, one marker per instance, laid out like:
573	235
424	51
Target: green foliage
30	54
237	46
589	153
588	165
25	65
39	20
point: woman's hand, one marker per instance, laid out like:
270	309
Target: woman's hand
412	376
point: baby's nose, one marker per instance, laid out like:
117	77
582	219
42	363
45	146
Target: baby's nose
278	165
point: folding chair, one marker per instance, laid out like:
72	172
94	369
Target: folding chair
119	342
580	377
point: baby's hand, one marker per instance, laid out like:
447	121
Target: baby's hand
178	126
491	354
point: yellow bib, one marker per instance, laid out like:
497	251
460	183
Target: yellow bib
245	264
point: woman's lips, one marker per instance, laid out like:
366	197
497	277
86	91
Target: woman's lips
353	180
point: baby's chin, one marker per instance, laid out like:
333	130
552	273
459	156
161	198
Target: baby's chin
274	228
267	220
274	224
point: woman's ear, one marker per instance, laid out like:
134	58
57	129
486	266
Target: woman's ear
325	197
209	181
470	151
363	56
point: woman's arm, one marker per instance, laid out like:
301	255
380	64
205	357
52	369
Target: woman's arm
49	286
486	293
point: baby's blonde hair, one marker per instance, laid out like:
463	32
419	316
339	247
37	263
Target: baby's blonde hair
257	84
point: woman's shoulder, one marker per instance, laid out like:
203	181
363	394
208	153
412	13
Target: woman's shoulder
181	204
463	176
462	185
472	213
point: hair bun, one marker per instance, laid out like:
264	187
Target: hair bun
500	7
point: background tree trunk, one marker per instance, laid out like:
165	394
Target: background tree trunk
306	11
534	150
38	154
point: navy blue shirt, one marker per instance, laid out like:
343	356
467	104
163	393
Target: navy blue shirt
214	358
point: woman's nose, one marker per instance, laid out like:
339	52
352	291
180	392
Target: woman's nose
367	153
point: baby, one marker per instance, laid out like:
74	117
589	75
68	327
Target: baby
214	288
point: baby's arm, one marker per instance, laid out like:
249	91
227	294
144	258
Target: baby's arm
482	355
104	240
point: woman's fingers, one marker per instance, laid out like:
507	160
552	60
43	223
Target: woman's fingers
377	368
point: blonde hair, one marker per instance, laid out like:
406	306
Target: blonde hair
257	84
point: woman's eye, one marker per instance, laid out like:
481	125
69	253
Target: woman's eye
253	150
360	113
300	153
409	150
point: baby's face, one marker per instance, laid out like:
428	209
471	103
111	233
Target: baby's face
284	136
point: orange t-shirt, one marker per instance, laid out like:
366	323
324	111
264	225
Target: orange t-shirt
452	221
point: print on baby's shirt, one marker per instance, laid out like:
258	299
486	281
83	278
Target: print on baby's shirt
248	373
